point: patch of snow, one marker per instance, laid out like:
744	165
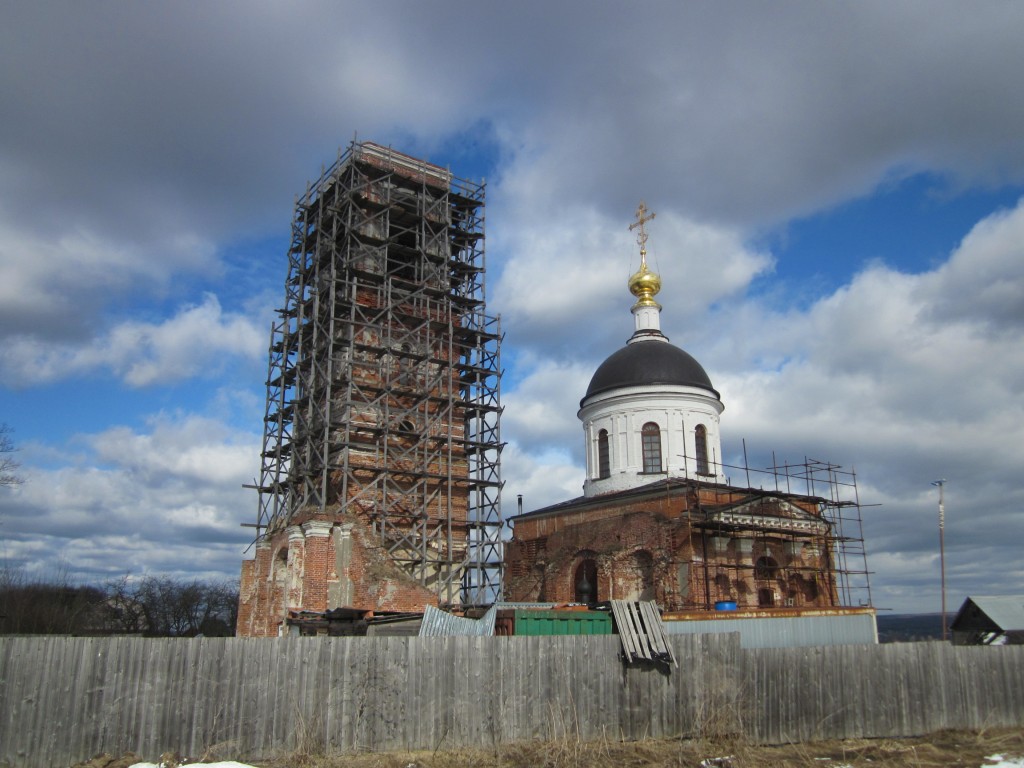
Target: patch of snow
717	762
1001	761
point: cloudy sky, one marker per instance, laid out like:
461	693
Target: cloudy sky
840	233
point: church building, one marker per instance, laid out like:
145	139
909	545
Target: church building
658	518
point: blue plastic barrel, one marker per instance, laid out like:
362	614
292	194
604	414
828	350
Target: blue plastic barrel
725	605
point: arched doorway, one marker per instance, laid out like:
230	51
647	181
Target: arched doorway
585	582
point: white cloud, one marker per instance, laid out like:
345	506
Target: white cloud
565	286
52	284
168	500
983	281
166	135
198	340
187	449
540	411
541	478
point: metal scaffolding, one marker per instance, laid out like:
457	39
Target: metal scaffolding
383	387
827	490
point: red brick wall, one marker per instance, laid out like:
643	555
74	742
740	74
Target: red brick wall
652	549
294	569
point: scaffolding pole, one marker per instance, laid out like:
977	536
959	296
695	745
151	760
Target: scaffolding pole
822	488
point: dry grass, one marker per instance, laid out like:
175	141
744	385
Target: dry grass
946	748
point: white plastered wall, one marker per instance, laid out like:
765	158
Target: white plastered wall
677	410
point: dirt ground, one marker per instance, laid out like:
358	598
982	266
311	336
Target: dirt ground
938	749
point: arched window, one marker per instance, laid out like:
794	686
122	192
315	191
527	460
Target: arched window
650	439
604	468
585	583
701	439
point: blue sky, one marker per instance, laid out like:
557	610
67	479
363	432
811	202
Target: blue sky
839	232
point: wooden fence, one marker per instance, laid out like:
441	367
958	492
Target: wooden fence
65	699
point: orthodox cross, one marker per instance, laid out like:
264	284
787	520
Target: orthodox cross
641	239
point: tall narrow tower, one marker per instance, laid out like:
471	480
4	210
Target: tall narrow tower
380	477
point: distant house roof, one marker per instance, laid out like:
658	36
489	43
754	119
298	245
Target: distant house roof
994	614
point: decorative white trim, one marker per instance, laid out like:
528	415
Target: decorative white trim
647	318
317	528
770	522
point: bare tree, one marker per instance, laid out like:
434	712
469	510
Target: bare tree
8	466
122	610
184	609
52	606
158	606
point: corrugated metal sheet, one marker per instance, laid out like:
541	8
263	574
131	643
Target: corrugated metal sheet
641	632
438	623
787	631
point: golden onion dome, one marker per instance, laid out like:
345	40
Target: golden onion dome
645	285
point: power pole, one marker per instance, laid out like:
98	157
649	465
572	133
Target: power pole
942	550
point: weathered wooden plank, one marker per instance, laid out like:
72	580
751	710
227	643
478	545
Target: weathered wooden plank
62	699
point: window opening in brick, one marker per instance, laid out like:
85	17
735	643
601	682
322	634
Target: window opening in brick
650	436
603	459
765	597
810	590
701	438
765	568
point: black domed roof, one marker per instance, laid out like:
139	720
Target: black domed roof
645	363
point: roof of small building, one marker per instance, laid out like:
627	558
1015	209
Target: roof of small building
646	363
1006	612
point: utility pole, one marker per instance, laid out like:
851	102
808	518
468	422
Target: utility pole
942	549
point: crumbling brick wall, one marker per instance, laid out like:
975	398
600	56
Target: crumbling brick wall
662	548
319	565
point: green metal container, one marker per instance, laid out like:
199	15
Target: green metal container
542	623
